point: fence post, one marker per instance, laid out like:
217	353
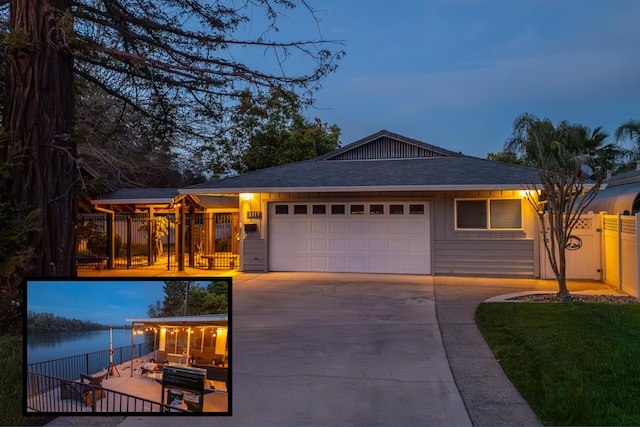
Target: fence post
620	251
129	233
637	242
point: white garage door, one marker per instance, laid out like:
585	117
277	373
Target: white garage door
376	237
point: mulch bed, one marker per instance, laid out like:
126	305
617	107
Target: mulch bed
612	299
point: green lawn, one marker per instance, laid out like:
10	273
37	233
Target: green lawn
575	363
11	382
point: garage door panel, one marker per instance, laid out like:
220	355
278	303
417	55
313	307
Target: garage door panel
357	228
377	245
336	227
300	227
319	263
319	227
319	244
338	244
338	263
357	245
376	227
380	243
299	245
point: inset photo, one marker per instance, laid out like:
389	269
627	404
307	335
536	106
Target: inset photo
131	346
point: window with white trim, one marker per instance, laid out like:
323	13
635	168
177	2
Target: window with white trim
488	214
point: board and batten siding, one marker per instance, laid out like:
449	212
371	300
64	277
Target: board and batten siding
254	255
490	257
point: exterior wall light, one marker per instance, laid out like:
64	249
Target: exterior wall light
245	196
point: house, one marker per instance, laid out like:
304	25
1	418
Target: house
386	204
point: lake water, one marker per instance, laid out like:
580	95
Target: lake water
43	346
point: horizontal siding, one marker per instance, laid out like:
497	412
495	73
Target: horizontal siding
484	257
254	255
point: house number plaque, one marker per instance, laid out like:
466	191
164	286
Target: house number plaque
254	214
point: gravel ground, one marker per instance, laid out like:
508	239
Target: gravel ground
612	299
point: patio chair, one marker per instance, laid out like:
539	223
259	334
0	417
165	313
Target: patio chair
83	391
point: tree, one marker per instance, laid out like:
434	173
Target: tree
16	256
562	156
269	130
212	299
170	61
629	130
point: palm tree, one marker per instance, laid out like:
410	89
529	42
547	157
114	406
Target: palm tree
564	156
629	129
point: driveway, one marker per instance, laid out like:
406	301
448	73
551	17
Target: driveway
335	349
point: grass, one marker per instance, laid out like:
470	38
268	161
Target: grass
11	383
575	363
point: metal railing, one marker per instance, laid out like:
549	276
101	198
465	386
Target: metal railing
70	368
51	394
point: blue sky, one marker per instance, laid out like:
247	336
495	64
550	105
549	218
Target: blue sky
103	301
456	73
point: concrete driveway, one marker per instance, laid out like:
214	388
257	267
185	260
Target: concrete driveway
335	349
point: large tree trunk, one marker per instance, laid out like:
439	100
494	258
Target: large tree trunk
39	118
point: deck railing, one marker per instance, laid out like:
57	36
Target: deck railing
70	368
45	394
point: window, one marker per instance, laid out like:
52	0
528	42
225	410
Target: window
505	213
319	209
396	209
376	209
337	210
416	209
282	209
299	209
357	209
482	214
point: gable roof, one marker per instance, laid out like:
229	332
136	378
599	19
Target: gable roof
387	145
381	162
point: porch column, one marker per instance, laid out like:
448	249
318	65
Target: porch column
221	341
163	339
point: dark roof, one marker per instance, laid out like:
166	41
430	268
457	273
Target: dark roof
436	173
383	161
140	195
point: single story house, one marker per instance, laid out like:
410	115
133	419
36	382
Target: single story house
386	204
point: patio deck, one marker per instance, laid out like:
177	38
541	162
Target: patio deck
138	386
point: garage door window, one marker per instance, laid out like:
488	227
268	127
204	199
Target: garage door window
396	209
376	209
337	210
319	209
498	214
282	209
299	209
416	209
357	209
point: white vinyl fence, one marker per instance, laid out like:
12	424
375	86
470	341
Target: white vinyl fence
620	252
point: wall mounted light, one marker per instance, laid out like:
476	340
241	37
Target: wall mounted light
245	196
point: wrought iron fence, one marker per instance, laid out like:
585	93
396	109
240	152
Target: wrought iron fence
51	394
70	368
206	241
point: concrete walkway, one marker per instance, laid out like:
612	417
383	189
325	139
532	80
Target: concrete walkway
346	349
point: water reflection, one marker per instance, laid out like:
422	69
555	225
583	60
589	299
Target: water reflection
43	346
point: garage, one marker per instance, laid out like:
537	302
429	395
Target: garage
359	237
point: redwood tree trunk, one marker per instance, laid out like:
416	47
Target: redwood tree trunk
39	117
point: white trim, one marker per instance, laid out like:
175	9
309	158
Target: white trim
319	189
